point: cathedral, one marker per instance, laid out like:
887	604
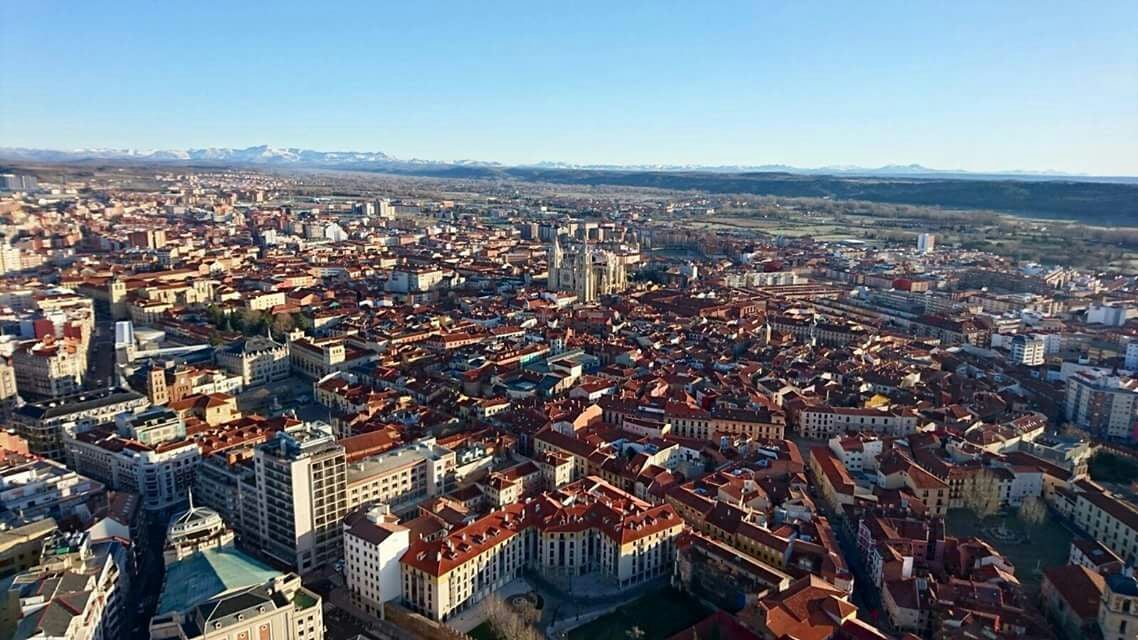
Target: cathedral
588	272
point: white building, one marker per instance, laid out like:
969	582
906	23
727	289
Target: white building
1107	406
258	360
161	474
926	243
373	544
1028	350
857	452
1132	356
1111	315
414	280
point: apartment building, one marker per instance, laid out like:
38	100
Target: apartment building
1107	406
857	452
824	422
402	477
49	368
691	422
44	424
161	474
226	481
9	392
33	488
76	592
302	496
1028	350
587	527
374	542
20	546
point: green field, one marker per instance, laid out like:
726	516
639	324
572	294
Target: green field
658	615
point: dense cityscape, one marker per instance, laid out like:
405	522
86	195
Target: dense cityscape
252	403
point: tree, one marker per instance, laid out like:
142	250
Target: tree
1033	510
507	623
302	321
251	321
983	496
283	324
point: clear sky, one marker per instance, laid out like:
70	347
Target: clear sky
974	85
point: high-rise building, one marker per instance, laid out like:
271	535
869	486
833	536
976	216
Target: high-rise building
18	182
926	243
1028	350
1107	406
1132	356
302	496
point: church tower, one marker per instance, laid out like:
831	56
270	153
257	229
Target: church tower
555	258
586	280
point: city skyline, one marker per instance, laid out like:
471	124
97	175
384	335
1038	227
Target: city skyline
971	87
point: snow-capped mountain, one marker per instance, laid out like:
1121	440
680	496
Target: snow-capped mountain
264	155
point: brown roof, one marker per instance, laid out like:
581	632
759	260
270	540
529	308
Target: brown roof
1080	587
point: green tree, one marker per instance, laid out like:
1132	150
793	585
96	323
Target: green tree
283	324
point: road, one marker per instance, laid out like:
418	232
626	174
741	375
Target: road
147	583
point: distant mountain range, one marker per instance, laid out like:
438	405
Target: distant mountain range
265	155
1090	199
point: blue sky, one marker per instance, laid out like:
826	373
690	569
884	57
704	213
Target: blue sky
973	85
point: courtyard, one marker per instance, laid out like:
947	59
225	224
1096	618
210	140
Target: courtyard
1030	547
658	615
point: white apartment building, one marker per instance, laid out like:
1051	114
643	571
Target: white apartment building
1028	350
586	527
1107	406
161	474
402	477
373	544
857	453
926	243
824	422
38	488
